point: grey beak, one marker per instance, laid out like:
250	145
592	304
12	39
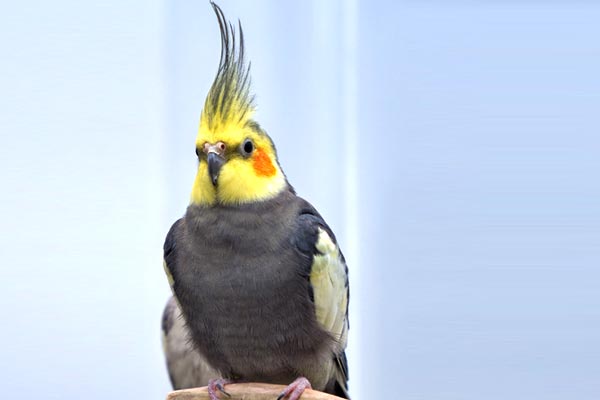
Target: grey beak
215	162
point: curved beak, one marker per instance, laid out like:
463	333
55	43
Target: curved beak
215	162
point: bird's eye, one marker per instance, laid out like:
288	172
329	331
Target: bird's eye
197	152
247	147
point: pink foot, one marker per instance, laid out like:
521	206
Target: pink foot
217	384
295	389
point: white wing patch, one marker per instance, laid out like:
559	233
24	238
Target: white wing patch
328	279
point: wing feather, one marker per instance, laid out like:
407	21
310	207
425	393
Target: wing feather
169	251
187	368
328	278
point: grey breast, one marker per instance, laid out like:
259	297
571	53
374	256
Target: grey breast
245	291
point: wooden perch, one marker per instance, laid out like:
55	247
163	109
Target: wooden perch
247	391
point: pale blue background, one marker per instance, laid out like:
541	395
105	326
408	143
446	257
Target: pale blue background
452	146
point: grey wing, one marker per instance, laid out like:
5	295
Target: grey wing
186	366
330	291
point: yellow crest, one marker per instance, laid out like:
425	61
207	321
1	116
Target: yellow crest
229	102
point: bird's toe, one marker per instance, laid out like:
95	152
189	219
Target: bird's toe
295	389
215	385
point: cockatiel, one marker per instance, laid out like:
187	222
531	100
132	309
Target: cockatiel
258	274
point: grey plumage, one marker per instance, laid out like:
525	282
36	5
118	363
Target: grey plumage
242	277
186	366
260	280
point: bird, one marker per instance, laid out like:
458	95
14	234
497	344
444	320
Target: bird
257	273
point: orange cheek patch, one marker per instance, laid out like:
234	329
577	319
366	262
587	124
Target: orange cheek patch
262	164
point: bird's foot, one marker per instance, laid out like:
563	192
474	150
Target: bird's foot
215	385
295	389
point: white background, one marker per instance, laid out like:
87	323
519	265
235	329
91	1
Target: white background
452	146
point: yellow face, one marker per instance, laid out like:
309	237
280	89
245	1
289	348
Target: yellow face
237	164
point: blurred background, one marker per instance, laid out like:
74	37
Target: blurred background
452	146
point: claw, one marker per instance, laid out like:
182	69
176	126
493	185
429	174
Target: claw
217	384
222	390
295	389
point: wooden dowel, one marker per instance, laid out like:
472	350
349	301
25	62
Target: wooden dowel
247	391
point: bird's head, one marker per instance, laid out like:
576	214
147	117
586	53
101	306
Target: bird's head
237	159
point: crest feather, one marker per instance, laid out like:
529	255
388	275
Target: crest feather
229	100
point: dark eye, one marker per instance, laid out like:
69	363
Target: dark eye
247	147
197	152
